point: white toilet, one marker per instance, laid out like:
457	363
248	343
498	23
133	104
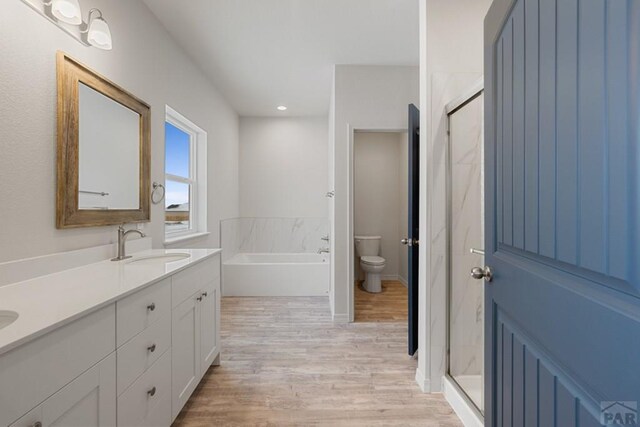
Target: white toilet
368	250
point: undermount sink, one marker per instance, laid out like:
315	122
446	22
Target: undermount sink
7	318
159	259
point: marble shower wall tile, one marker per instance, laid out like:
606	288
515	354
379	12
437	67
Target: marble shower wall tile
466	201
467	361
273	235
466	135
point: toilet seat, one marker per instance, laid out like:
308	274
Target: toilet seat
372	260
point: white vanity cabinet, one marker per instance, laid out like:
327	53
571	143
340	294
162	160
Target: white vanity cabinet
185	352
210	326
89	400
133	362
144	356
41	372
195	330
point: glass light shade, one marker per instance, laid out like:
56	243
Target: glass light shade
67	11
99	34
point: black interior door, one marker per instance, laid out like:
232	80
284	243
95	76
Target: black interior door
412	233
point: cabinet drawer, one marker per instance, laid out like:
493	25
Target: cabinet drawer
140	352
138	311
138	407
33	372
191	280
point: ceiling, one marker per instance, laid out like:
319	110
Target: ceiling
265	53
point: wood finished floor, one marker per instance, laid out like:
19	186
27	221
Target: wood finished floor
390	305
285	363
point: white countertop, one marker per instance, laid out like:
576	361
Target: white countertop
49	302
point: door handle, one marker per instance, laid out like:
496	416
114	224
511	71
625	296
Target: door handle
409	241
482	273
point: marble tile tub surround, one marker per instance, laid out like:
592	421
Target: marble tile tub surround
272	235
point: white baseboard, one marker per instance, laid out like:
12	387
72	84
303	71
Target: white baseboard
403	281
461	406
423	381
394	277
341	318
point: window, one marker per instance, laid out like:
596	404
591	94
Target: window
185	178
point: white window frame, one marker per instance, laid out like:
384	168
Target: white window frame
197	178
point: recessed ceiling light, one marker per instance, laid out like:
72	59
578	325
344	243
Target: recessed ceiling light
282	108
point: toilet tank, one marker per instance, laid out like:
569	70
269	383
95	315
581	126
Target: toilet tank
368	245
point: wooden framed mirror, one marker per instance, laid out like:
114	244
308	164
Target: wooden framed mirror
103	150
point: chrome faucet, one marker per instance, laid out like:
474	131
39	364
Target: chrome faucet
122	238
323	250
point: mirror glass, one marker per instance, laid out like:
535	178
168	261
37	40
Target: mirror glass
108	153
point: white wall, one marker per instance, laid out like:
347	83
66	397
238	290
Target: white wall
451	51
146	62
365	98
283	167
377	193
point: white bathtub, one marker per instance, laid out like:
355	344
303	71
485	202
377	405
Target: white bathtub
275	274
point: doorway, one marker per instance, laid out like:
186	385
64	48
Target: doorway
380	160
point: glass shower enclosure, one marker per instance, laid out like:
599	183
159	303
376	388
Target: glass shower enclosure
465	343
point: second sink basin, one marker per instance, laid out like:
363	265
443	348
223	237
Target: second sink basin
159	259
7	318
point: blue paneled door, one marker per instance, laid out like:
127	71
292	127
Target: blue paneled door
562	144
413	221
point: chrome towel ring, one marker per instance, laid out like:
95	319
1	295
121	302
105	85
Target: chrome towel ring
156	190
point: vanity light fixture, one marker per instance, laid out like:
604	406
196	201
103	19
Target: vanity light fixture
67	11
98	33
282	108
67	15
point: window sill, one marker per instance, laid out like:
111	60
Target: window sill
184	238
